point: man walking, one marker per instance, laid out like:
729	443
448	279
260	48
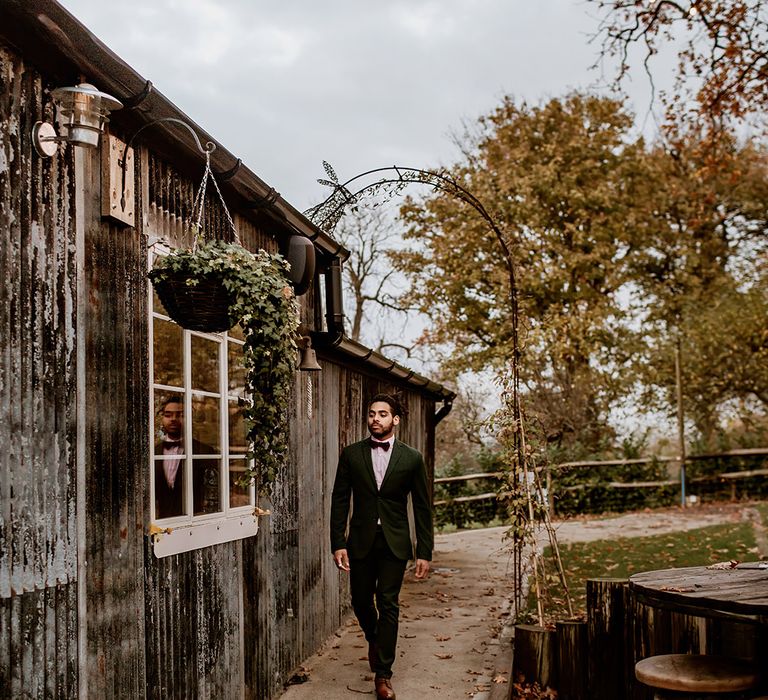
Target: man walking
379	473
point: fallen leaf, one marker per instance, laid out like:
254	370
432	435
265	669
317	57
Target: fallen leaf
732	564
676	589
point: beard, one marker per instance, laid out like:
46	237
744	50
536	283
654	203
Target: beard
381	430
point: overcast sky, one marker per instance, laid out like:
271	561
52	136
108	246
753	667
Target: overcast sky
362	84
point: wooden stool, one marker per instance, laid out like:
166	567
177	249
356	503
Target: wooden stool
696	675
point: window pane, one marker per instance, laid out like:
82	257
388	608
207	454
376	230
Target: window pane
239	494
169	487
206	485
169	423
236	365
205	364
237	436
167	346
205	425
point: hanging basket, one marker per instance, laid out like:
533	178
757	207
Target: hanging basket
198	301
203	306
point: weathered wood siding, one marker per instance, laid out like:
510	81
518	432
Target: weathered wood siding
38	467
115	338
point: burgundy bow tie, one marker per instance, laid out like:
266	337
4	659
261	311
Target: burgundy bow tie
383	445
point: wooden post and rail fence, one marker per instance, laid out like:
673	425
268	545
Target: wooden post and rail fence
550	475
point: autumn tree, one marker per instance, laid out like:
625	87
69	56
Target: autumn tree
695	258
621	250
560	177
722	49
370	233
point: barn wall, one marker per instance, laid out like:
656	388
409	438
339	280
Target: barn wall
38	431
194	622
233	620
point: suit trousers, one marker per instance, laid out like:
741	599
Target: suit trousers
378	576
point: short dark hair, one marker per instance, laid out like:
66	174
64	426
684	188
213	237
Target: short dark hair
173	398
394	404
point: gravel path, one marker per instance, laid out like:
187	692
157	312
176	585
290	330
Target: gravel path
450	624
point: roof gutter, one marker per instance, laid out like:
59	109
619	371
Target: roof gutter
362	355
67	51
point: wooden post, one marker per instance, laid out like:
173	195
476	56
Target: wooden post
572	660
680	418
606	626
535	656
639	645
550	495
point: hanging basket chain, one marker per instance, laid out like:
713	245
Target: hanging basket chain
198	206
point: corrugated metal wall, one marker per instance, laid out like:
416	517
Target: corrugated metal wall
38	543
232	620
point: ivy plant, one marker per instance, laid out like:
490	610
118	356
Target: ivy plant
265	306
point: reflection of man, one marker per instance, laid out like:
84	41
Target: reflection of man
170	472
379	473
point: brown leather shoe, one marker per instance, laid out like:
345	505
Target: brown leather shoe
384	689
373	656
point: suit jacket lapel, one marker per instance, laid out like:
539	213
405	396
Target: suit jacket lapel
365	447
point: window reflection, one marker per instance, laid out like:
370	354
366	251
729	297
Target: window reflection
169	469
205	364
167	348
237	433
236	365
206	422
239	493
169	487
206	488
197	477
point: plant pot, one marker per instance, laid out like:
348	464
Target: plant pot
198	307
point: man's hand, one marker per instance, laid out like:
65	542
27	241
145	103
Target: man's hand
422	568
342	559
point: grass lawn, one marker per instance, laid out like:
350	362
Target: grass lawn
623	557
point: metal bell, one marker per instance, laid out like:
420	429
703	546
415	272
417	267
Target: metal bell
308	361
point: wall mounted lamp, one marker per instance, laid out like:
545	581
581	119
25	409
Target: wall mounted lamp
83	111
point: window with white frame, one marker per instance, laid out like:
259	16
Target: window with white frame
199	447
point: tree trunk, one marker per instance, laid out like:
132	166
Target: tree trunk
572	660
535	656
607	629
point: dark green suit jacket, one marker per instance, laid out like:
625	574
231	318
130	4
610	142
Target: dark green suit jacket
405	475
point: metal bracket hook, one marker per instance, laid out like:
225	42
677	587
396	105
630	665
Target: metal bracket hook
209	148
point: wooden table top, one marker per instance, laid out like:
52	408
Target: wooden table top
702	591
